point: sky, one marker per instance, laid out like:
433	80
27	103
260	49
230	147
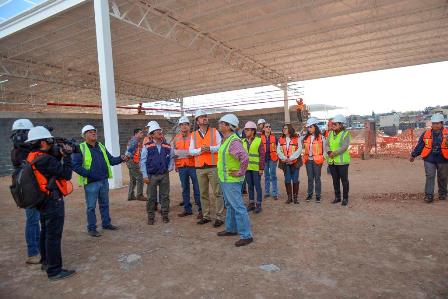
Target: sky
10	8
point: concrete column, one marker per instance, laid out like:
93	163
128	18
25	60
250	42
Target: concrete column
286	103
107	84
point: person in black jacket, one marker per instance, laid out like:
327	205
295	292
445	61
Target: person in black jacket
48	170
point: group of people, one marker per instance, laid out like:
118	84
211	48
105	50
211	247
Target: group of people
226	159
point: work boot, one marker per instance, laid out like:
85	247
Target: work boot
251	207
257	208
275	197
184	214
429	198
165	219
225	233
111	227
336	200
33	260
243	242
151	220
203	221
344	202
132	198
309	197
218	223
62	275
288	187
94	233
141	198
295	192
199	216
442	197
317	199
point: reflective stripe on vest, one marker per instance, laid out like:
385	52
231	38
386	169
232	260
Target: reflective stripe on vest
228	163
181	150
293	145
317	148
207	158
272	146
254	153
64	186
427	139
87	161
335	143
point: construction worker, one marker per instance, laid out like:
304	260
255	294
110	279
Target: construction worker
269	142
133	151
232	164
252	144
93	166
288	150
313	157
433	147
337	144
326	133
184	164
156	162
19	153
52	177
260	125
204	146
300	107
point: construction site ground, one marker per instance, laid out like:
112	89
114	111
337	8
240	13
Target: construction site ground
387	244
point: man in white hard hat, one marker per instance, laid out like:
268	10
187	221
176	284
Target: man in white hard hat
133	151
204	146
232	165
52	211
155	164
260	125
184	164
94	167
337	145
433	148
19	153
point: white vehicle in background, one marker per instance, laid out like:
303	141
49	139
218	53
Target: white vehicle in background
322	124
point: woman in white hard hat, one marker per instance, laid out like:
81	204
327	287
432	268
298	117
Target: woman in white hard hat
288	150
433	147
232	165
337	144
313	157
252	144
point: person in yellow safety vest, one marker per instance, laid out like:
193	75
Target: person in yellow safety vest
133	151
313	157
93	166
288	150
204	146
433	147
337	146
232	165
253	145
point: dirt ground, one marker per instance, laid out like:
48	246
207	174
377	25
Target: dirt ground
388	243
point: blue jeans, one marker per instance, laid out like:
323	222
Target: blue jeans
237	218
270	176
97	191
291	174
253	179
185	174
32	231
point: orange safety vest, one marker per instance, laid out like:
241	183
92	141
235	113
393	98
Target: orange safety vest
182	145
137	153
293	145
427	139
64	186
272	146
207	158
318	150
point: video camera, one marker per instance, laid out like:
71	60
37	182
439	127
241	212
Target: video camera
60	141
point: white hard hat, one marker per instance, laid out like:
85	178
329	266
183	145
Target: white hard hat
87	128
154	126
22	124
250	125
183	120
339	118
311	121
38	133
438	117
199	112
261	121
230	119
149	124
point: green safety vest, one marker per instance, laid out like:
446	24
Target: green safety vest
254	154
228	163
335	143
87	161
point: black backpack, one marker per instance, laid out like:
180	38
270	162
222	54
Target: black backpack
25	189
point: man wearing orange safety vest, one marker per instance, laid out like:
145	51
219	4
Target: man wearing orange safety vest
300	108
269	142
433	147
133	151
53	178
204	146
185	166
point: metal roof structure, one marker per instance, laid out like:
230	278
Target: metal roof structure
169	49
